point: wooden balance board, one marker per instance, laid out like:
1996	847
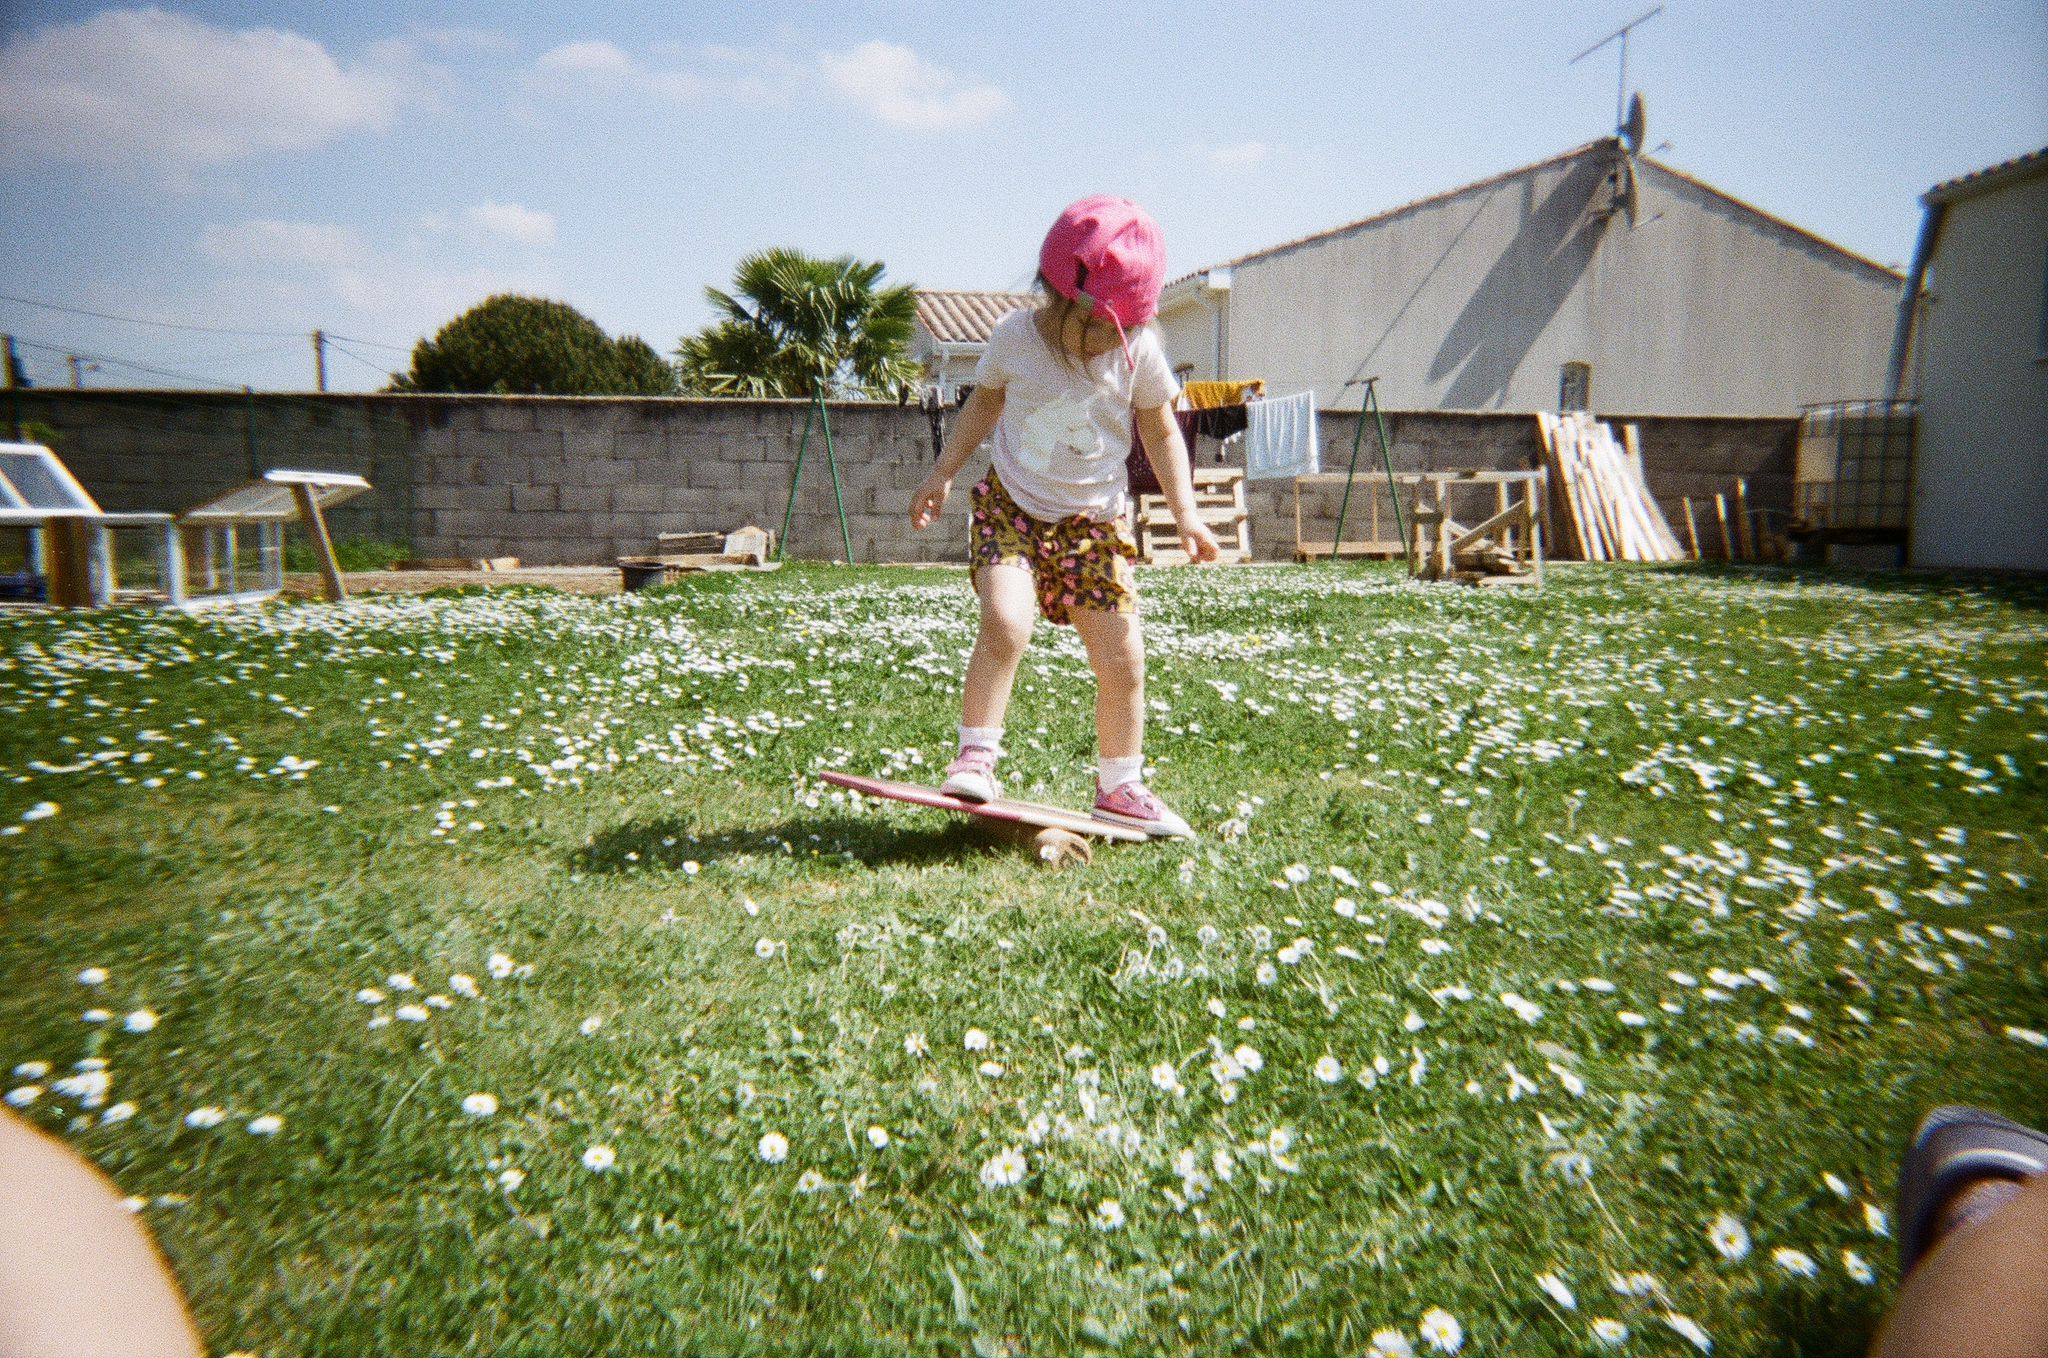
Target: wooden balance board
1002	809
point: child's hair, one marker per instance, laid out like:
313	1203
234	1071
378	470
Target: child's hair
1060	312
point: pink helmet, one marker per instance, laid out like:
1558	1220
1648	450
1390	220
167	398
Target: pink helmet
1107	251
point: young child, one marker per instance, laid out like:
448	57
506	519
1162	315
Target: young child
1058	386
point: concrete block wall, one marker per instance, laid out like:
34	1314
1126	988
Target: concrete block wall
581	480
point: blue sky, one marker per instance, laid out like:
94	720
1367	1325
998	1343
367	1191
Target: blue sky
372	169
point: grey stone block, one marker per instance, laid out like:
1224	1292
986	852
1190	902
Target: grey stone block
526	498
584	499
638	499
503	416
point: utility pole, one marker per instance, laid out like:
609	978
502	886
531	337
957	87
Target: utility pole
320	358
77	374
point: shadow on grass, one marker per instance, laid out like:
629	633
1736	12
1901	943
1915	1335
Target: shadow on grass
1825	1324
669	843
2020	589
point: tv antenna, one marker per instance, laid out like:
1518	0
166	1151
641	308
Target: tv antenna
1621	85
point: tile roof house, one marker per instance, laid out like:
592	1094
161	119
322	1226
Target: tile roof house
952	330
1595	279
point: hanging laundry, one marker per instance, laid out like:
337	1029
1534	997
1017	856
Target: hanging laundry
1210	395
1138	473
1280	437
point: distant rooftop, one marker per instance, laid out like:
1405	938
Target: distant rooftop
1969	185
966	317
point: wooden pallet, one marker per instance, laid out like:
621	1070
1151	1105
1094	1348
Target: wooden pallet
1219	499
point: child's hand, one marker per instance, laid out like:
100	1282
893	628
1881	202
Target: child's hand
1198	542
929	499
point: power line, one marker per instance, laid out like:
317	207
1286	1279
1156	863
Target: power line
377	367
178	325
125	363
374	344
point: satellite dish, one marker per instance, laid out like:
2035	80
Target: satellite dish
1632	127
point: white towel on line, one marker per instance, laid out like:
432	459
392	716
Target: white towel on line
1280	437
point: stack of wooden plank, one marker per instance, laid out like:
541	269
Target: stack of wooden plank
1601	506
1219	499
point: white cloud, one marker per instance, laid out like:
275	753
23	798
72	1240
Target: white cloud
745	75
142	88
495	223
283	243
378	288
902	89
1243	155
590	59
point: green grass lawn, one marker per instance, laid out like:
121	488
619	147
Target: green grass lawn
1529	934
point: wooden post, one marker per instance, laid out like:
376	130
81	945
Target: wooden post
67	562
171	562
1743	535
1721	513
323	547
1692	530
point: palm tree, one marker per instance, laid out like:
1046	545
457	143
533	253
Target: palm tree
794	323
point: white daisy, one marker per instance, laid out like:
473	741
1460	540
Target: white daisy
1610	1332
1729	1237
269	1124
209	1116
1798	1263
21	1096
464	985
369	994
479	1105
599	1158
140	1021
590	1025
1560	1292
1857	1267
1329	1070
1005	1169
510	1179
773	1148
1684	1327
32	1070
1876	1220
401	981
974	1040
764	948
1390	1344
914	1045
1837	1187
500	966
1108	1215
93	976
1296	873
119	1112
1441	1330
878	1137
411	1013
1248	1057
810	1181
1167	1079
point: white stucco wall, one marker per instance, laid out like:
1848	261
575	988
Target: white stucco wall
1981	488
1477	300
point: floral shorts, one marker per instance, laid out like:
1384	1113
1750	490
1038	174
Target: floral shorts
1077	562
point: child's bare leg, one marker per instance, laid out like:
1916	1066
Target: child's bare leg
1116	650
1009	607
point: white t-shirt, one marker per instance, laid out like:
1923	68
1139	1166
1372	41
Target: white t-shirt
1066	425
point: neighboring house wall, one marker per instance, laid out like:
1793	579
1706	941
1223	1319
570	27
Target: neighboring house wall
1475	301
574	480
1981	488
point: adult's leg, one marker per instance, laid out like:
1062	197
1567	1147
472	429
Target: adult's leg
1116	651
1982	1292
1009	607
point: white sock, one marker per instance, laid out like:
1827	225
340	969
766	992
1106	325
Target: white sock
989	738
1114	773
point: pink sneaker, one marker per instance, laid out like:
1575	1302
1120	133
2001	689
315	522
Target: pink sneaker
1133	804
972	776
